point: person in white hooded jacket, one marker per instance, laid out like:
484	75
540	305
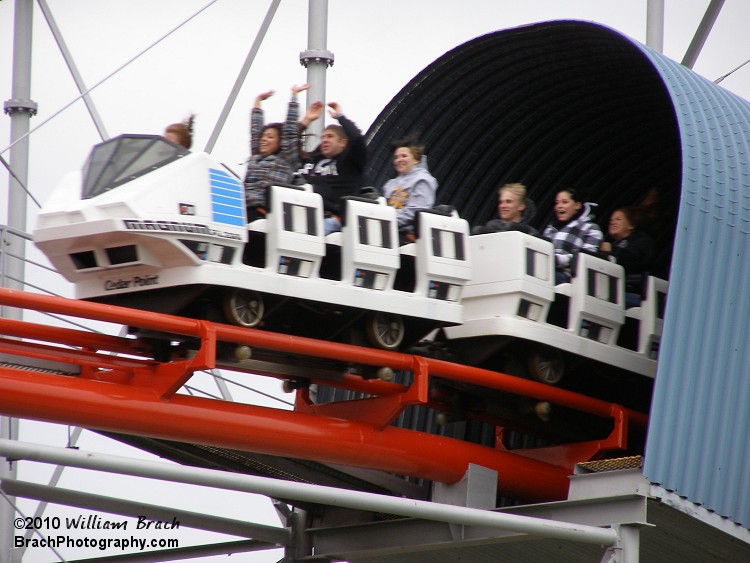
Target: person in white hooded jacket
413	189
572	230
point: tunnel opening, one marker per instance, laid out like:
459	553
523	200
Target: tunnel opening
550	105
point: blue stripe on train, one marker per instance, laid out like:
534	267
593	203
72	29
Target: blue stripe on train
227	198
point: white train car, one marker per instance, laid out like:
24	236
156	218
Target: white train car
149	225
578	334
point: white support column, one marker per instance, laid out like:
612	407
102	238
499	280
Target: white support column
20	108
317	58
299	547
655	25
627	549
477	489
8	470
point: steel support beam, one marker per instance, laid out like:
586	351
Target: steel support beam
50	117
54	480
241	76
96	118
702	33
309	493
99	503
360	540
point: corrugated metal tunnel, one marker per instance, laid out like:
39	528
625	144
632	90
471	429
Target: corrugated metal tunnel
566	103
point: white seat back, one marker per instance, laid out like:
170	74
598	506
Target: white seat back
369	241
597	297
258	226
513	275
295	243
650	315
443	263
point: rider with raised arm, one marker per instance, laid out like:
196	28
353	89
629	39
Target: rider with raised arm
274	152
337	164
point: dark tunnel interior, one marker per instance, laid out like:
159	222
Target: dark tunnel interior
551	105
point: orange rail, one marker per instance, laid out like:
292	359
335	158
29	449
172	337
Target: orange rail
138	395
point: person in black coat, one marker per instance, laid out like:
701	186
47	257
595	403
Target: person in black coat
631	247
337	165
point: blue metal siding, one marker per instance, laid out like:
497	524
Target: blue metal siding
698	441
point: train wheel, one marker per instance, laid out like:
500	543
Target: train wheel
244	307
546	365
242	353
385	374
385	330
442	419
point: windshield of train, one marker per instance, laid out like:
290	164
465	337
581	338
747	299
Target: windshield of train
125	158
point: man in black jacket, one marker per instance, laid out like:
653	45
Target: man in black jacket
337	164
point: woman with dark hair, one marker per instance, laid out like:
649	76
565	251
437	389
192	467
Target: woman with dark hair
181	133
572	231
632	248
413	188
274	149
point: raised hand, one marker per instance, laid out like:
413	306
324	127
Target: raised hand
335	110
314	111
301	88
261	97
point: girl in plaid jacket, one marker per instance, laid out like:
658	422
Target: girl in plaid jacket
275	155
571	231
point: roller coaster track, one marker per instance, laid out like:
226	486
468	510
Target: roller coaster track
115	384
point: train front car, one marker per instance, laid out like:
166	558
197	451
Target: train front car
149	225
133	226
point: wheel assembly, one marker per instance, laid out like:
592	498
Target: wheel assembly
546	365
242	353
244	307
385	374
385	330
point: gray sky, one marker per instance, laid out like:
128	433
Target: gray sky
378	46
